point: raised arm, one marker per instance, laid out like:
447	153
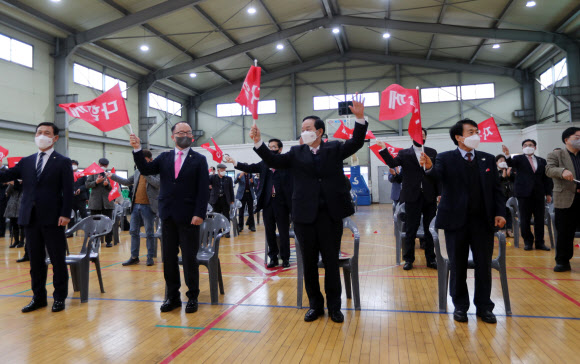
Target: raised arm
10	174
146	169
357	141
125	182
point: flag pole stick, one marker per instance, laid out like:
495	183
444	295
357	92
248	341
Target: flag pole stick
131	128
255	65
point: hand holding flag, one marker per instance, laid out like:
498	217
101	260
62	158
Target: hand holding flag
115	190
382	145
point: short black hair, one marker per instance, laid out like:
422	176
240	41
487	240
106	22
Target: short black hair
179	122
457	129
569	132
318	123
425	130
277	141
530	140
74	162
55	128
212	168
499	156
147	154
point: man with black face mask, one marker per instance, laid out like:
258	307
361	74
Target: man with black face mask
419	194
275	198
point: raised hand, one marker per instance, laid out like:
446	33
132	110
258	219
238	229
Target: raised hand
505	150
381	144
229	159
134	141
358	106
109	174
255	133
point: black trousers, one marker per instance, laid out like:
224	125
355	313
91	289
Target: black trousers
413	211
567	221
16	230
109	214
2	219
477	235
528	206
249	202
39	240
80	205
186	237
323	237
221	206
277	213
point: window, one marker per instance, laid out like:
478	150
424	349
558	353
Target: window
110	82
553	74
331	102
94	79
13	50
159	102
235	109
454	93
480	91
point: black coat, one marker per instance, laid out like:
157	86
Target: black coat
526	179
80	185
284	186
314	180
414	176
214	181
51	194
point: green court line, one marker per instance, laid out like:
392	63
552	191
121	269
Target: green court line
201	328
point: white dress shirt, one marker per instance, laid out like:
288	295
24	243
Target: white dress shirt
464	153
418	151
45	157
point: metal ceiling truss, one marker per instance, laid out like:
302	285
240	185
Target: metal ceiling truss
439	21
279	28
496	25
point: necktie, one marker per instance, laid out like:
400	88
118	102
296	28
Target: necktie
39	164
468	155
178	163
314	151
532	163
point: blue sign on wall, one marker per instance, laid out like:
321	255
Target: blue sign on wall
359	186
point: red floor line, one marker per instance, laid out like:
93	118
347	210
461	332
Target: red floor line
20	275
553	288
212	324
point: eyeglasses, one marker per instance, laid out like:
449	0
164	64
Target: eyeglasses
183	133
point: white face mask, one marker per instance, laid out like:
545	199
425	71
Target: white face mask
502	165
75	167
43	142
308	137
472	142
222	173
529	150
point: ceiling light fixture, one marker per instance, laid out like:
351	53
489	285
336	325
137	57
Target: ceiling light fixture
386	35
530	4
251	10
144	48
55	1
495	46
193	75
280	46
335	30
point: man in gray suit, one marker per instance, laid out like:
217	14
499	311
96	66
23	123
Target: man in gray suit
99	203
144	210
246	195
563	166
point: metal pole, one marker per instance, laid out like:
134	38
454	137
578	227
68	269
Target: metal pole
294	107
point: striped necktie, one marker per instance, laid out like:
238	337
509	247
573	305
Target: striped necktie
39	164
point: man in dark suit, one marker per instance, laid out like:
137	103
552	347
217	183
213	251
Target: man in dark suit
275	199
99	203
320	200
419	194
530	186
45	211
246	195
81	195
221	196
472	203
183	198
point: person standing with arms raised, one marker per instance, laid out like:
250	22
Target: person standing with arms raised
183	198
320	200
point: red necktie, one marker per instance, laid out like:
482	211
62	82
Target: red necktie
468	155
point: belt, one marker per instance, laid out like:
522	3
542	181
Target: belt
273	195
247	190
222	195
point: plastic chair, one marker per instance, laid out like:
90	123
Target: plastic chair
157	235
349	265
400	234
126	205
353	197
234	216
94	228
117	218
548	223
499	264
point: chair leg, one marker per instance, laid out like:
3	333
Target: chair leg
67	251
347	282
516	227
504	289
213	282
355	286
300	277
442	281
74	277
84	267
220	281
98	269
398	247
551	234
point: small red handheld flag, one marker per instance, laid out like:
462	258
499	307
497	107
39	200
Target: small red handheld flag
250	94
107	112
344	132
217	153
3	153
397	102
392	150
13	161
116	190
489	131
92	169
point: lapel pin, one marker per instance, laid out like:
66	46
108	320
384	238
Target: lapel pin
482	159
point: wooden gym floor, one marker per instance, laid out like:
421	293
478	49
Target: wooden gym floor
257	320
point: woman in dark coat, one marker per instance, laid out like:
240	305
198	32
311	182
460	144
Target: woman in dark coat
14	192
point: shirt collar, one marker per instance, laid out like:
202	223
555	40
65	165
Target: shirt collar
48	152
185	151
464	152
417	149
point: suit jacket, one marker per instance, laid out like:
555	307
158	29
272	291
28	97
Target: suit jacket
315	179
215	187
284	188
526	178
50	195
564	191
414	174
80	184
450	171
396	181
242	186
99	199
152	187
183	197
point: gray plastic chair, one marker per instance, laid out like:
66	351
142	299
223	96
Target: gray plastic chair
234	216
354	200
95	228
157	235
512	205
400	234
550	212
212	229
443	269
349	267
117	219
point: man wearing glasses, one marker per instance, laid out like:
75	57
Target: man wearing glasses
183	199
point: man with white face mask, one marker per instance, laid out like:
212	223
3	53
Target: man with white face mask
530	186
320	200
472	203
45	210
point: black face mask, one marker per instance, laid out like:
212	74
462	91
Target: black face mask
183	142
417	144
275	151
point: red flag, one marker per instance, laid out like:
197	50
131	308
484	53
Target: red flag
116	190
217	153
392	150
92	169
397	102
250	94
415	128
370	135
489	131
107	112
13	161
3	153
343	132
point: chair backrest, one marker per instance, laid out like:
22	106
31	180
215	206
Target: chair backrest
347	223
512	204
209	208
214	226
400	217
93	227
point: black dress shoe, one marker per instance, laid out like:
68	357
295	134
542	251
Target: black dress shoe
14	245
34	305
170	305
131	261
432	264
58	306
109	245
21	244
273	263
191	306
528	247
487	316
562	268
313	314
336	316
408	266
285	264
460	316
253	229
23	259
542	247
150	262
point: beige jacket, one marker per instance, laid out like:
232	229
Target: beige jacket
564	191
